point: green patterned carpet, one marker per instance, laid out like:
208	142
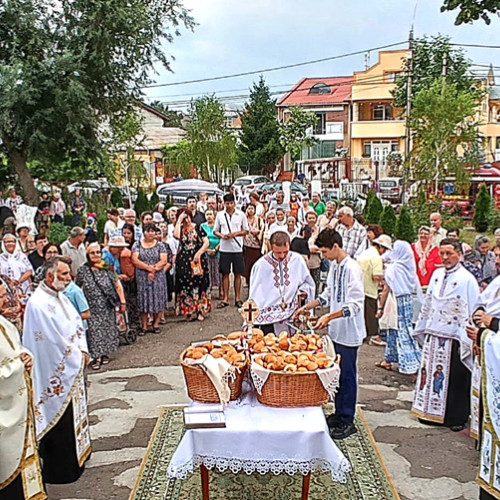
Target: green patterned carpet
367	481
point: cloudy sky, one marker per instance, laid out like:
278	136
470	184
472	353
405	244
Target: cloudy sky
236	37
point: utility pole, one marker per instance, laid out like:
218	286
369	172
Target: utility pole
408	141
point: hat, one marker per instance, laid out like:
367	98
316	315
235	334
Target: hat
117	241
275	228
383	241
157	218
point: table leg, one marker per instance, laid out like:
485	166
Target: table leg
204	482
306	480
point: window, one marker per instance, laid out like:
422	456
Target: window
391	76
228	121
498	143
320	88
367	150
320	127
394	147
382	112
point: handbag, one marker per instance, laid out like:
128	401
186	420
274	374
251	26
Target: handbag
111	299
389	319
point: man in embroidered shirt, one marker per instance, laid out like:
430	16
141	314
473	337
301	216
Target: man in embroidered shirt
449	302
53	332
353	234
344	296
231	226
275	282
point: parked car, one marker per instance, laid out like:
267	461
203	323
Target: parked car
251	182
296	187
179	191
89	187
391	189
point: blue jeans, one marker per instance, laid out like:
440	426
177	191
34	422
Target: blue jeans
345	399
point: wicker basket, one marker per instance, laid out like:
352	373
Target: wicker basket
200	387
292	390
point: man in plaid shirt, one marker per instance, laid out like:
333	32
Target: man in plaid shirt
354	240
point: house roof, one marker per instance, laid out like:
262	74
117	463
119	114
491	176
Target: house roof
340	87
156	137
495	92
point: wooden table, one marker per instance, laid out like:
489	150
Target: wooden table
205	484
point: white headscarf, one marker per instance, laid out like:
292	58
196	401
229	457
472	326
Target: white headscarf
15	264
401	272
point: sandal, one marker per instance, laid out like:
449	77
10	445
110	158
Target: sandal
385	365
238	303
376	341
222	305
104	360
141	332
96	364
156	330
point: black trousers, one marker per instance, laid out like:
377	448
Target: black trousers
371	322
14	491
58	452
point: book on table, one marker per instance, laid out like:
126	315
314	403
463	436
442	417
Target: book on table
208	415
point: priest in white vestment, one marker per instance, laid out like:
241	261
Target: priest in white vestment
344	296
275	283
20	476
54	333
442	391
486	387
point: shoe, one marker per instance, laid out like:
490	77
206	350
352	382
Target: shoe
333	421
457	428
343	430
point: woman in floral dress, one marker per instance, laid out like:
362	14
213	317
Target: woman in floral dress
192	281
103	291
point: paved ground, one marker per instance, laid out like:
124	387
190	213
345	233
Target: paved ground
425	462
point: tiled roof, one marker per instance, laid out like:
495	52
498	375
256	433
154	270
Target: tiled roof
340	92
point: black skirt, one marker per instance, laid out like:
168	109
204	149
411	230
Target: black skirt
58	452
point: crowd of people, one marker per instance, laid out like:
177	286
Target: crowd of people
294	253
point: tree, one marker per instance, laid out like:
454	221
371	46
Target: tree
69	69
446	133
178	158
374	211
174	118
116	198
154	200
482	211
141	203
404	226
260	147
388	220
472	10
428	56
294	132
212	146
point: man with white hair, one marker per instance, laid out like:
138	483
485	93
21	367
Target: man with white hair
74	248
437	230
130	218
352	232
54	333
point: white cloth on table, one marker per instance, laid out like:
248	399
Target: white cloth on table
261	439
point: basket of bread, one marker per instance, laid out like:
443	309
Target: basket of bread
293	371
194	362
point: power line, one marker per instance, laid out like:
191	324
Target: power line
267	70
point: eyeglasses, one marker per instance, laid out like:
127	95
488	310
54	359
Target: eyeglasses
52	252
97	252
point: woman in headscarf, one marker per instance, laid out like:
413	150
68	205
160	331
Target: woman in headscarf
15	264
20	477
426	255
12	309
401	281
103	292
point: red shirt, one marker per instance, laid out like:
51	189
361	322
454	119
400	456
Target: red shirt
431	264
